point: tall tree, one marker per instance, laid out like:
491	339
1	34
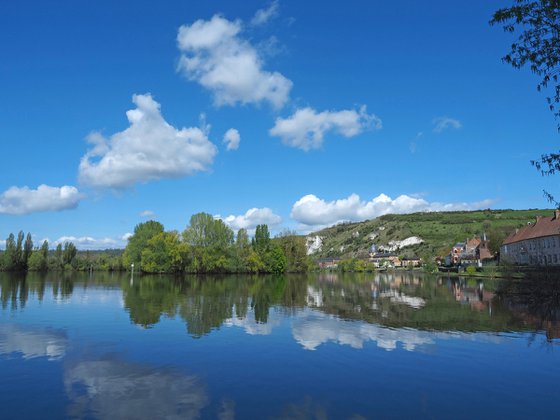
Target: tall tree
537	46
261	241
69	253
10	254
27	249
143	232
19	251
205	231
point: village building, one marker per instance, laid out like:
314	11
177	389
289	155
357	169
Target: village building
328	263
473	250
537	244
384	259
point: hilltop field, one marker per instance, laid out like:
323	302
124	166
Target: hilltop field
425	235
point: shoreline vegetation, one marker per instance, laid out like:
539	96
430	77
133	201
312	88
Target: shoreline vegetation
209	246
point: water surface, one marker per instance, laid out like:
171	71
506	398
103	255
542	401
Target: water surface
319	346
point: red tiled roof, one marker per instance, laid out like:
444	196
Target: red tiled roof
544	226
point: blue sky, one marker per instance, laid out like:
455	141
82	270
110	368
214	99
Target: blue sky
295	114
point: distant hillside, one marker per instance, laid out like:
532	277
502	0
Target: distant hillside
422	234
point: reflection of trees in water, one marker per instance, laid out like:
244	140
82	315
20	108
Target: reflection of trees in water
410	300
205	302
535	301
388	299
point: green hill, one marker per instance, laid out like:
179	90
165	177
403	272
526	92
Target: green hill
439	231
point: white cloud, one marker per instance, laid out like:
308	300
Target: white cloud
148	214
20	201
232	139
150	149
91	243
252	218
32	342
264	15
2	244
216	57
113	389
312	211
306	128
316	328
443	123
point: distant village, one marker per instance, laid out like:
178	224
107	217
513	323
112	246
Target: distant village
535	245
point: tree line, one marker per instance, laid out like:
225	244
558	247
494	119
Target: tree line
207	245
21	255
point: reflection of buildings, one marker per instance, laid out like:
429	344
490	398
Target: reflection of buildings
536	244
478	298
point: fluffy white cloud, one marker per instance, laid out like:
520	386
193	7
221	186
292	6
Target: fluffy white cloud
216	57
150	149
91	243
19	201
148	214
252	218
232	139
113	389
32	342
306	128
443	123
264	15
316	328
311	210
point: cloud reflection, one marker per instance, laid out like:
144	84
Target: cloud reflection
113	389
314	328
32	342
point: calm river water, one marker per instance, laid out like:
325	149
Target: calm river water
323	346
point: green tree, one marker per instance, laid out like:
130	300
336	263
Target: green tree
211	242
18	263
143	232
10	254
27	249
38	259
537	46
295	251
58	262
242	240
69	253
164	253
261	241
205	231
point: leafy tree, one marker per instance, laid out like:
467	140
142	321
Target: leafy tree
242	240
261	241
10	254
205	231
274	259
164	253
27	249
58	262
211	241
143	232
38	258
295	250
18	263
538	46
69	253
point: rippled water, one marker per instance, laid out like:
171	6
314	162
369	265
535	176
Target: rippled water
319	346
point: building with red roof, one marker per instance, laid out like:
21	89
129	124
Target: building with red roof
536	244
